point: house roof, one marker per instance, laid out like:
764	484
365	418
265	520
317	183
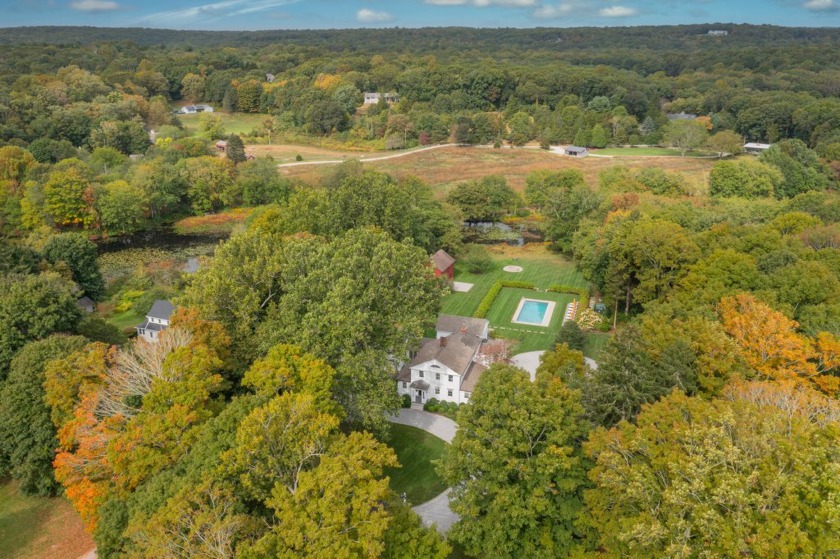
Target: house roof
471	378
575	149
150	326
161	309
85	302
404	374
442	260
421	384
452	323
756	145
455	351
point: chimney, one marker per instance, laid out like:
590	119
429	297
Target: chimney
442	341
464	328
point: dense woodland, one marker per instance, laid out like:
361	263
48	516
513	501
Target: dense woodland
256	427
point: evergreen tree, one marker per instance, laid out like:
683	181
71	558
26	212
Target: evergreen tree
235	149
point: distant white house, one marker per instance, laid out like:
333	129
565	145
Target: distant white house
193	109
372	98
718	32
681	116
448	367
157	320
756	148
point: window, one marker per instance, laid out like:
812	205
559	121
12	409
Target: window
420	373
437	376
450	378
466	395
435	367
437	391
449	392
405	384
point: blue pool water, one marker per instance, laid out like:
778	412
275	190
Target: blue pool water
532	312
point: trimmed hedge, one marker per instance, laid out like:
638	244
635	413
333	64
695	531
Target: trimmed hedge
493	293
581	292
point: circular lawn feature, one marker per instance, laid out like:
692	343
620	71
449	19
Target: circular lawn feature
415	450
513	269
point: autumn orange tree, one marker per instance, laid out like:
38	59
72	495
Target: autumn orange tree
772	347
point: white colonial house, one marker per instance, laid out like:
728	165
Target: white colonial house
448	367
157	320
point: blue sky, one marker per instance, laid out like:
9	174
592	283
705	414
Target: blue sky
306	14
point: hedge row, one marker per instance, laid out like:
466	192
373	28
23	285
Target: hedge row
493	292
581	292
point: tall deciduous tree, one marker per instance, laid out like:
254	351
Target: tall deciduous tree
685	135
31	308
79	254
516	472
27	435
695	478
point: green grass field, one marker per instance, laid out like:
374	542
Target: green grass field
594	344
125	320
234	123
415	450
33	527
541	268
647	152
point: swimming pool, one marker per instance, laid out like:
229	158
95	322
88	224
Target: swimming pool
534	312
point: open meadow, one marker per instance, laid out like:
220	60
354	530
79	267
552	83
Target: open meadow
444	167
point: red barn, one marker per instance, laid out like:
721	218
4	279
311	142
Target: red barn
444	264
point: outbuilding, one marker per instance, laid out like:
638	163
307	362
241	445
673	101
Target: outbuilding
444	264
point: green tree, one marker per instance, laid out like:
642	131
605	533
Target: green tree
260	183
121	207
598	139
516	471
235	149
520	129
207	178
211	126
337	509
726	142
192	87
542	185
685	135
68	195
80	255
696	478
746	178
27	435
31	308
800	167
486	199
571	335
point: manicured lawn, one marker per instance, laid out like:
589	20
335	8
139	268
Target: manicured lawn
641	152
32	527
415	450
532	338
541	268
234	123
594	344
124	320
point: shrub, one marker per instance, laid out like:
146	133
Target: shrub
493	293
431	405
582	293
406	401
497	144
298	157
476	259
588	319
571	335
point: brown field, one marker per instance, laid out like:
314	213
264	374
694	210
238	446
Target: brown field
36	527
286	153
444	167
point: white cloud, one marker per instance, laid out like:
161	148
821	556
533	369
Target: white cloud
486	3
369	16
550	11
822	5
95	5
223	8
618	11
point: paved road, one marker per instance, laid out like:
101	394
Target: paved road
436	511
367	159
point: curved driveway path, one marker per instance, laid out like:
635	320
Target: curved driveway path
367	159
436	511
